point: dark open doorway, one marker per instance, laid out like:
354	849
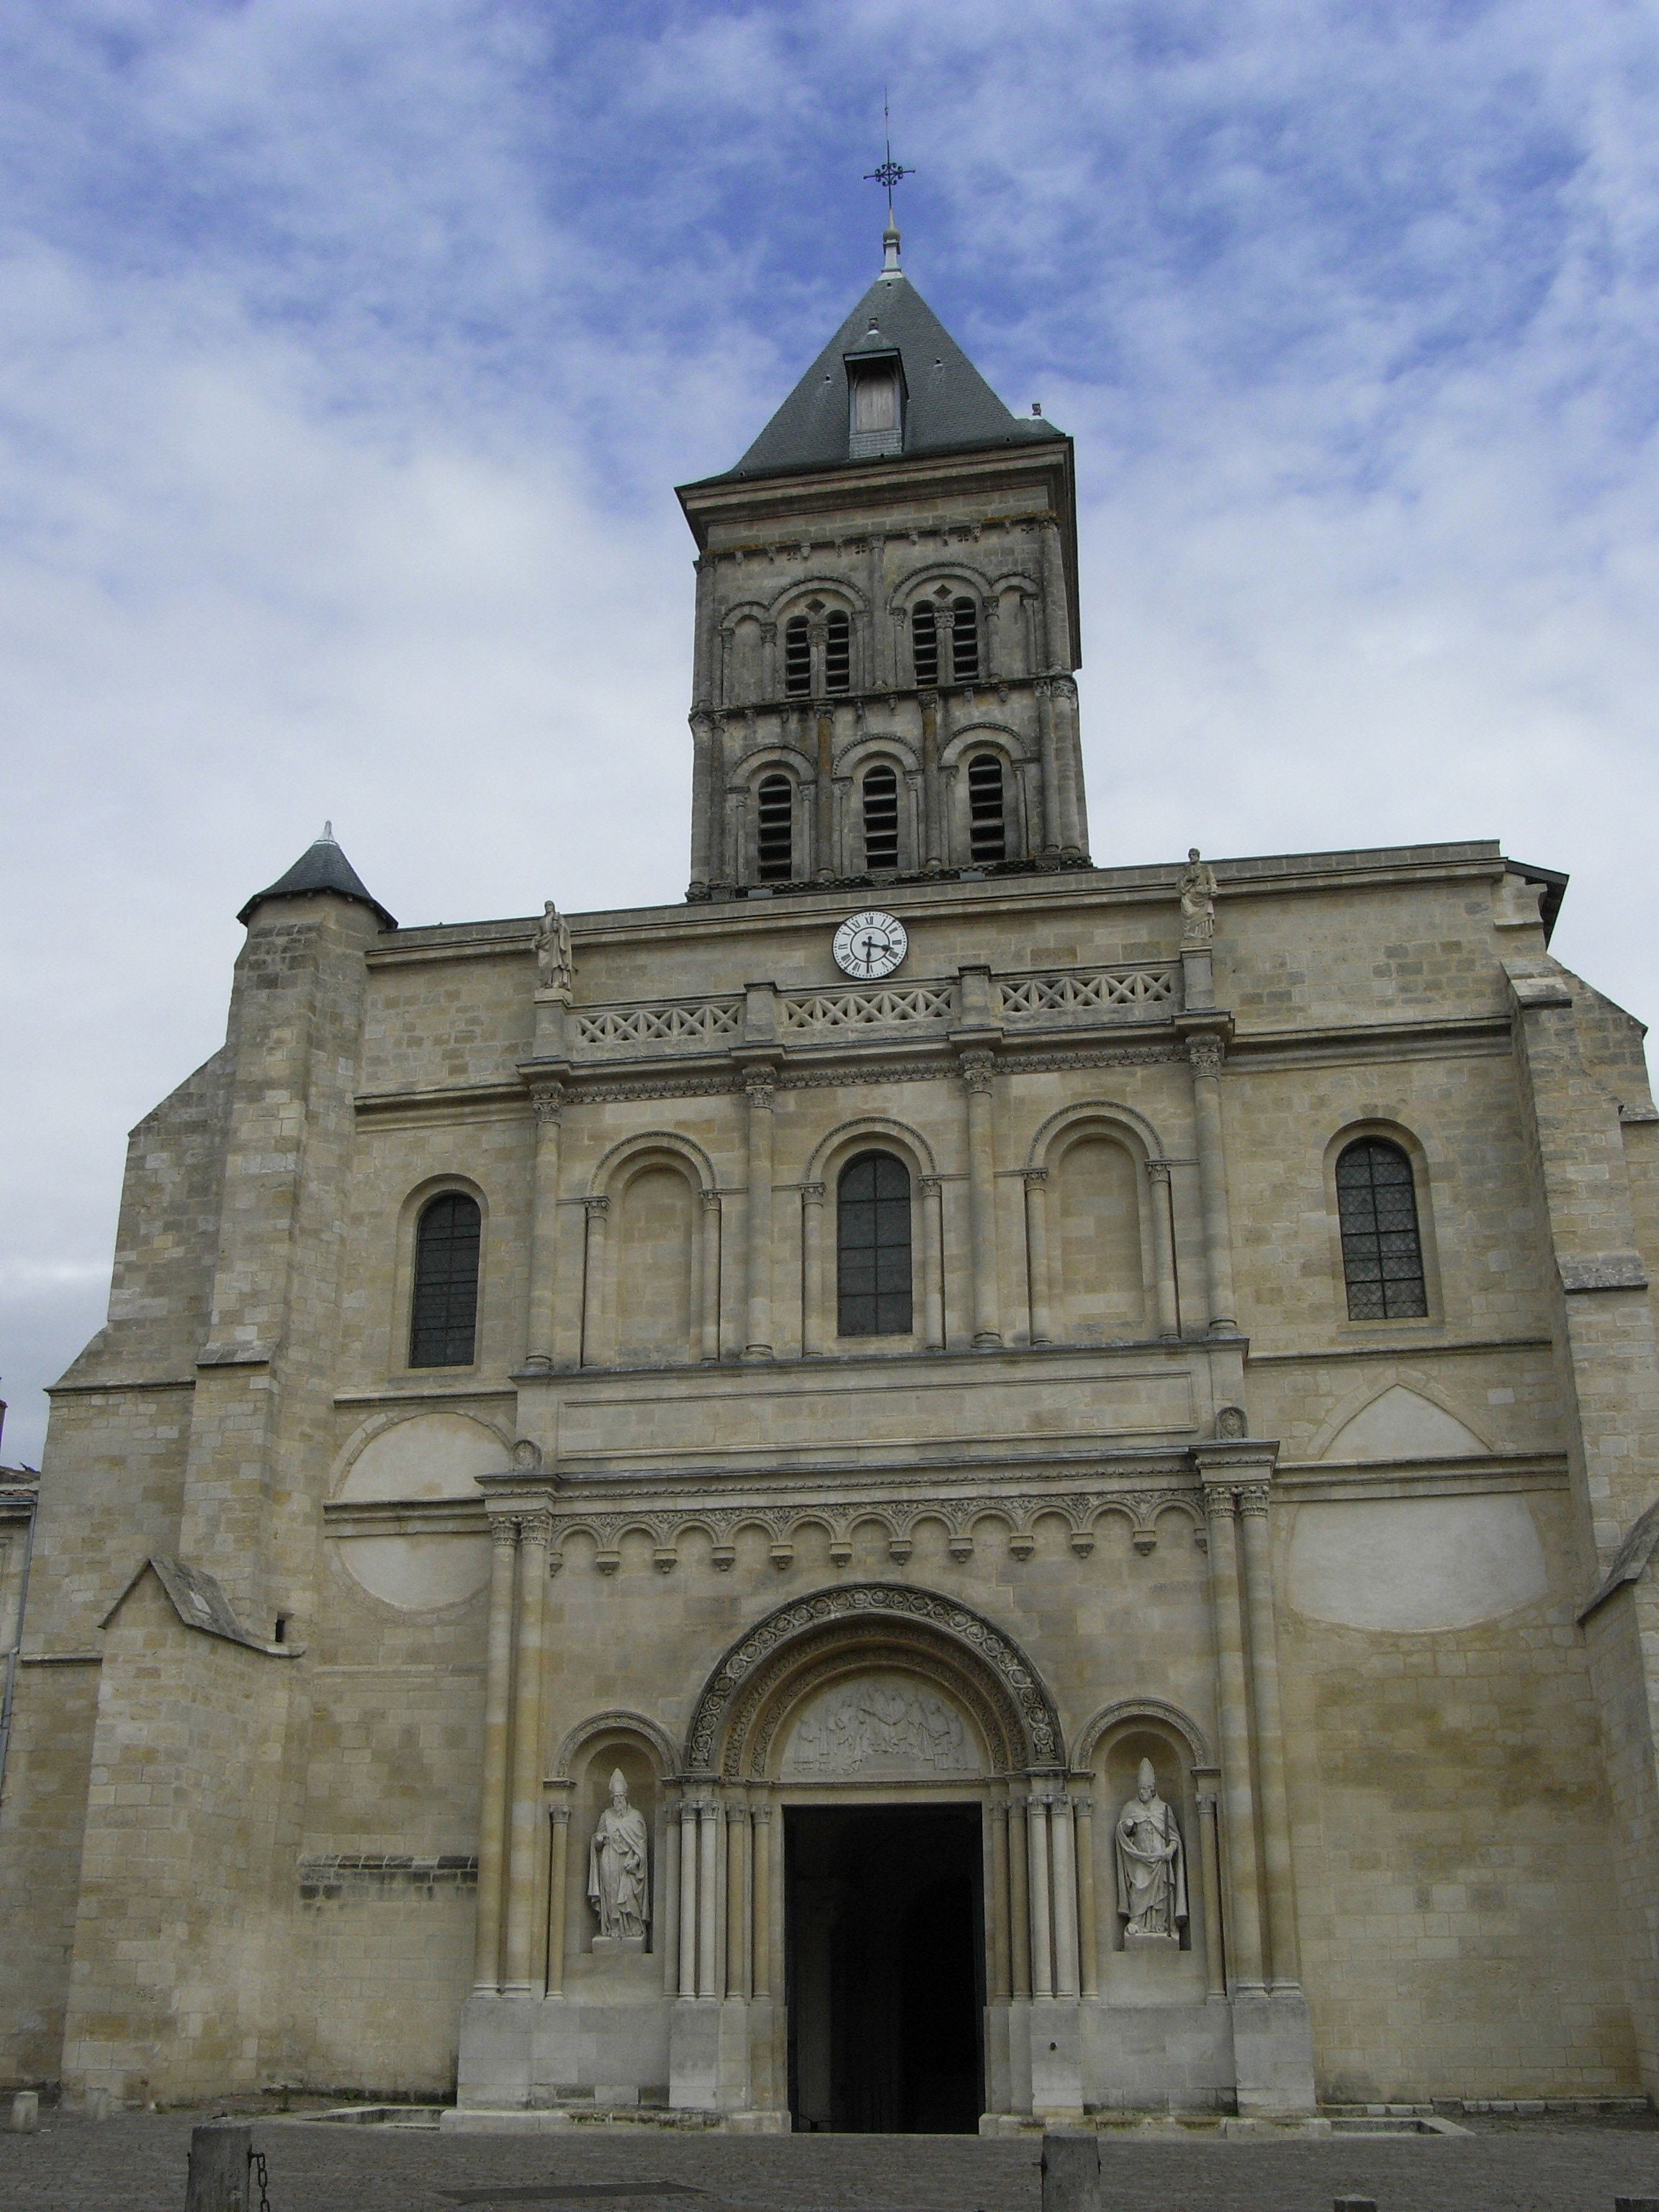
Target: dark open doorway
885	1967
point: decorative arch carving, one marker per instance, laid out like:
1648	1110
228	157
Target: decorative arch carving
777	753
1157	1710
871	1128
1104	1115
616	1723
989	736
843	594
878	744
795	1648
656	1143
958	575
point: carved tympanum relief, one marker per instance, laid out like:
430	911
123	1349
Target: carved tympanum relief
878	1728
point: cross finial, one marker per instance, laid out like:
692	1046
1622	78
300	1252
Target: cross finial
888	175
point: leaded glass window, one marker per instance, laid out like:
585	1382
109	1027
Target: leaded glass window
872	1246
444	1317
1382	1249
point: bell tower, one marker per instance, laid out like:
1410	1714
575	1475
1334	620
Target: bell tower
886	626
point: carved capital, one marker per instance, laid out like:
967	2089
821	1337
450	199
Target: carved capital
711	1200
930	1183
976	1069
547	1101
1253	1497
1036	1178
504	1531
536	1529
812	1193
1157	1171
760	1088
1220	1501
597	1208
1204	1054
558	1815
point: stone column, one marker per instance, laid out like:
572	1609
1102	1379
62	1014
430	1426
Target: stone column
1243	1891
594	1346
547	1099
1204	1054
709	1897
709	1285
492	1809
1088	1926
761	1091
1284	1966
977	1077
813	1329
933	844
736	1888
689	1827
1019	1891
559	1818
1036	1254
1037	1869
761	1968
1215	1964
701	796
525	1825
998	1961
1053	828
1163	1260
666	1931
932	1263
1064	1854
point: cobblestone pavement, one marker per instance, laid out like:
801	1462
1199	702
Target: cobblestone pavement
135	2163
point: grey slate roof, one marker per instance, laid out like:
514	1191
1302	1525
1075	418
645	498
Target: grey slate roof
322	868
949	405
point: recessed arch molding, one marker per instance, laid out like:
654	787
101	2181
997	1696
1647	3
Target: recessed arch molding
791	1650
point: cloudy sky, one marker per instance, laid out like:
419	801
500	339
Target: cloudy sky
350	350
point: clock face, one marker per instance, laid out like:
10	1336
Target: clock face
870	945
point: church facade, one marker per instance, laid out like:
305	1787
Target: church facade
940	1485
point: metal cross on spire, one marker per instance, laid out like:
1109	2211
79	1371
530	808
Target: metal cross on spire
889	172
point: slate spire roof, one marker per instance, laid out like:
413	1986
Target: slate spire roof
948	403
321	867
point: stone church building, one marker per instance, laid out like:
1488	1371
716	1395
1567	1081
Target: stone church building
942	1483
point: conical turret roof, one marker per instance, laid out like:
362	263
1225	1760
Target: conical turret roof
321	867
948	403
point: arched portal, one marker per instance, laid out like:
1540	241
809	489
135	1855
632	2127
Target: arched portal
879	1747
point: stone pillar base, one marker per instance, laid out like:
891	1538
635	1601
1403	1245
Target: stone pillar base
1273	2052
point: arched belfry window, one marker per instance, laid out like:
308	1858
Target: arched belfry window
444	1310
880	795
838	653
797	657
1382	1245
873	1246
987	808
775	830
964	641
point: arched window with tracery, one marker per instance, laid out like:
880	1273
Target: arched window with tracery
1382	1243
797	657
988	808
879	794
775	830
444	1310
838	652
964	641
873	1246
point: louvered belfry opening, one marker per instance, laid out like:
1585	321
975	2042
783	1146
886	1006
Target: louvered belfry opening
881	839
775	818
796	657
964	642
1382	1244
838	653
987	826
872	1246
444	1311
924	644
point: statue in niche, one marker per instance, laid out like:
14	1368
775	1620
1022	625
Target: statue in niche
1151	1879
618	1882
1197	901
555	966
